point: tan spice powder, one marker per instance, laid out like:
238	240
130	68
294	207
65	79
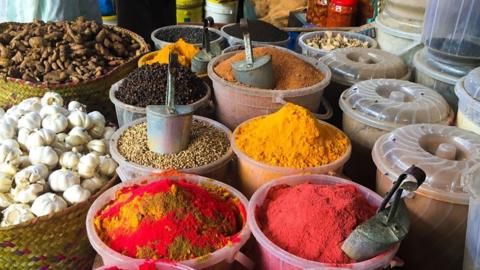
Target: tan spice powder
290	71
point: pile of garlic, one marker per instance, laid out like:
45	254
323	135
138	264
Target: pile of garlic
50	157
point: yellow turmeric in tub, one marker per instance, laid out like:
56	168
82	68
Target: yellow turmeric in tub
185	51
291	137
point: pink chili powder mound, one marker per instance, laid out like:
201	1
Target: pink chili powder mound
312	221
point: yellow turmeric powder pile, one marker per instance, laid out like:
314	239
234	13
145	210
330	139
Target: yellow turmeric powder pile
185	51
291	137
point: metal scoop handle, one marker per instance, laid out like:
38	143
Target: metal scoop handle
170	95
207	22
247	42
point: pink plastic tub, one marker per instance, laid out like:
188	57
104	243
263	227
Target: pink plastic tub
272	257
159	266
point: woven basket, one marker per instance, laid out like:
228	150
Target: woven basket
93	93
56	241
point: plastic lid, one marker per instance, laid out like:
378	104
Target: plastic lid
433	69
402	28
344	2
352	65
445	153
471	181
388	104
472	83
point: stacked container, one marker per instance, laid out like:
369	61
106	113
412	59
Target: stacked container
471	259
439	208
468	93
375	107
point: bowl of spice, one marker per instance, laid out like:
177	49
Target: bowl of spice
146	265
208	152
261	33
299	79
301	221
147	85
192	34
319	43
171	217
289	141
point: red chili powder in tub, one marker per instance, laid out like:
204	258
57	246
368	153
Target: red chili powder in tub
170	220
312	221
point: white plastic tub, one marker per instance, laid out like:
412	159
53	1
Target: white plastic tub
273	257
317	53
159	43
224	12
468	93
127	170
471	259
225	255
127	113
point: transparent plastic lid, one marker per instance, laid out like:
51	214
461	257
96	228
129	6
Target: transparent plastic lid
445	153
404	15
435	69
388	104
472	83
352	65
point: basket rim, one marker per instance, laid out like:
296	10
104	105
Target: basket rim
144	48
65	211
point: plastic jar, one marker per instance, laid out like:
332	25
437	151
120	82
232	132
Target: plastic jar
353	65
160	43
128	170
468	93
471	259
438	209
375	107
220	259
273	257
341	13
252	174
158	266
317	12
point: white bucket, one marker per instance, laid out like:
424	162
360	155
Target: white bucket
222	12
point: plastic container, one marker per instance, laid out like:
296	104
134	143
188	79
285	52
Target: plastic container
236	103
159	266
236	41
187	14
468	93
235	48
438	209
127	113
471	259
408	14
224	12
219	259
353	65
317	12
273	257
159	43
341	13
429	73
451	31
110	20
317	53
128	170
252	174
375	107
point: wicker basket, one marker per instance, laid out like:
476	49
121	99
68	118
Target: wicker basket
56	241
93	93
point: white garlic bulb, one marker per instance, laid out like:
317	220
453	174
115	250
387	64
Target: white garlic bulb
5	182
108	132
15	214
5	200
52	109
52	98
31	174
48	203
76	106
56	122
88	165
31	120
9	154
95	183
40	137
43	155
30	104
70	160
77	136
99	146
2	112
79	119
62	179
76	194
27	194
11	143
8	169
61	137
14	113
7	131
23	161
107	166
22	138
97	118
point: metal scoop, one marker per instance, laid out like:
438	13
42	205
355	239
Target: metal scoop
253	72
390	225
202	58
168	126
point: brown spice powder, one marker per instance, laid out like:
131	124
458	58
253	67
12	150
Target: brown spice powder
290	71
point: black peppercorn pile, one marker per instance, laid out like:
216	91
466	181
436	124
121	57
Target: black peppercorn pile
147	85
188	34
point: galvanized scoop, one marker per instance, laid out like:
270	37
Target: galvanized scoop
253	72
390	225
168	126
202	58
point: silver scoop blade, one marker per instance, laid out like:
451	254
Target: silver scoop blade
256	72
209	51
169	125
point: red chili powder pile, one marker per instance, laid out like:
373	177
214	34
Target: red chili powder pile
312	221
170	220
149	265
